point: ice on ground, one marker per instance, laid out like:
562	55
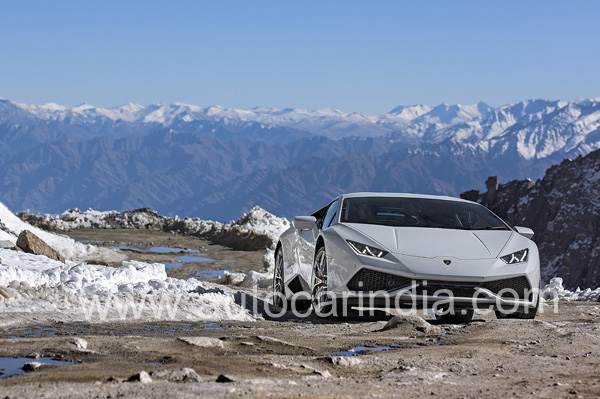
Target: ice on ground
134	291
11	226
555	290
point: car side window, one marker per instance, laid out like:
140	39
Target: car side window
331	213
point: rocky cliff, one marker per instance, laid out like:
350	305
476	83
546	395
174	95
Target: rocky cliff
563	209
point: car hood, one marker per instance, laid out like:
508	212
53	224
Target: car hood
432	242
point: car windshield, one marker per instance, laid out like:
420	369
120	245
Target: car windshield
420	212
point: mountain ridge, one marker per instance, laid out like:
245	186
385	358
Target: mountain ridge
214	162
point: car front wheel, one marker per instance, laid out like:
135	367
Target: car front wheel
320	299
279	299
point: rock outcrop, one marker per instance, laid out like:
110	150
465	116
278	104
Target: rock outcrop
32	244
563	209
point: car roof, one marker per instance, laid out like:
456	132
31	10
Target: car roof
402	195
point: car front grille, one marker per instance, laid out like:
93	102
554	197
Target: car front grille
370	280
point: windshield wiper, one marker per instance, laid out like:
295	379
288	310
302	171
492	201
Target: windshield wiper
492	228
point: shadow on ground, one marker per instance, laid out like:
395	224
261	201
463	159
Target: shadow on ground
260	307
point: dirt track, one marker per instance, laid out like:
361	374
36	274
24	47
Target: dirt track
556	355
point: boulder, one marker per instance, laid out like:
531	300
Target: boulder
203	342
185	374
32	244
28	367
79	344
344	361
6	293
223	379
142	377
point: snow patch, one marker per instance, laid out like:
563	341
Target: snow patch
133	291
11	226
555	290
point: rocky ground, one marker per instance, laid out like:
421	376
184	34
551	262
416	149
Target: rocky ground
555	355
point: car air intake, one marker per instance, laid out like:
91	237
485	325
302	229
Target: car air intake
519	285
371	280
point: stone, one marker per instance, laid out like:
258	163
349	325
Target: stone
185	374
79	343
344	361
203	342
222	378
5	293
141	377
29	367
32	244
411	324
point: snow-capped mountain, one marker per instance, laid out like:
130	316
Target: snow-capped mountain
212	161
532	128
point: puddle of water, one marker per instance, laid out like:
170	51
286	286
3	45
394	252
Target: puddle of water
213	326
171	250
153	362
193	259
11	366
362	349
180	261
210	274
157	250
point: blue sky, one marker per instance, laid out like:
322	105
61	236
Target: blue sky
357	56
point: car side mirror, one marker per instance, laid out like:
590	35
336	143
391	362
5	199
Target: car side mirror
305	222
524	231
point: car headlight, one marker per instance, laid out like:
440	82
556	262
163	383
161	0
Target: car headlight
368	250
516	257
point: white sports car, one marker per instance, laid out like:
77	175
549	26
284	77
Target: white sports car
399	250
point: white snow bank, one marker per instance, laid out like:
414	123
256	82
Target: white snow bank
257	229
260	221
555	290
136	290
257	222
11	226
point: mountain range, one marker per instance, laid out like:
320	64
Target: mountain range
214	162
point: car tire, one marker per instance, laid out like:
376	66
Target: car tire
322	305
278	298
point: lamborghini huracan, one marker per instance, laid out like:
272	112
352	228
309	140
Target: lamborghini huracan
400	250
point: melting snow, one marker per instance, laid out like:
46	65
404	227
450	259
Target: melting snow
76	290
135	290
556	290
